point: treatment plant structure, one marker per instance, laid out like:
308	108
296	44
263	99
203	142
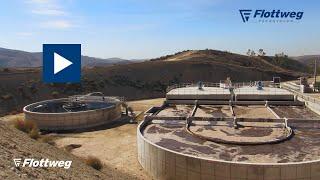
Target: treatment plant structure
75	112
231	131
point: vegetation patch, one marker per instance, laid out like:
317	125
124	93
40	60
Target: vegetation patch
24	126
94	162
34	133
28	127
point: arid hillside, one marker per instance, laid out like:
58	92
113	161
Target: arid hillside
308	60
16	144
270	62
147	79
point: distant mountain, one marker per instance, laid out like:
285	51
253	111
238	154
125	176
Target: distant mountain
91	61
17	58
308	59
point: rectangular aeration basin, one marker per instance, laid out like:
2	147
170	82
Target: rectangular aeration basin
212	93
267	93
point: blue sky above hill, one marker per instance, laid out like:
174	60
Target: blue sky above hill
151	28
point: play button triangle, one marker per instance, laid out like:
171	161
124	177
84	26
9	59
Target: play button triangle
60	63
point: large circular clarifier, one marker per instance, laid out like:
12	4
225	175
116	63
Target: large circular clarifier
167	151
74	112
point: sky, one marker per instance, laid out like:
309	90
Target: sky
141	29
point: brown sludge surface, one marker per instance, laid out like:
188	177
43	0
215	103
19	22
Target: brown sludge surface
213	111
304	146
295	112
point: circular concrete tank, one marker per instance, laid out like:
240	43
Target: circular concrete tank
64	114
257	133
167	152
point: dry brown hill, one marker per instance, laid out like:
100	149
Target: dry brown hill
308	60
147	79
269	62
16	144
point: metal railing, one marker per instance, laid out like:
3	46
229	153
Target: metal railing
301	95
83	98
253	91
208	91
182	85
220	85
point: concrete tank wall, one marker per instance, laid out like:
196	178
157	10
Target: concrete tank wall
72	120
161	163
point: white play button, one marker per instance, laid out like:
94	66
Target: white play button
60	63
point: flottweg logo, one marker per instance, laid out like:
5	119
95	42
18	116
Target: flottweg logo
262	15
29	162
17	162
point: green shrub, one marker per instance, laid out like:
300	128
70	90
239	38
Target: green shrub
94	162
28	127
34	133
25	126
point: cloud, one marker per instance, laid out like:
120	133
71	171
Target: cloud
46	7
57	24
51	13
24	34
